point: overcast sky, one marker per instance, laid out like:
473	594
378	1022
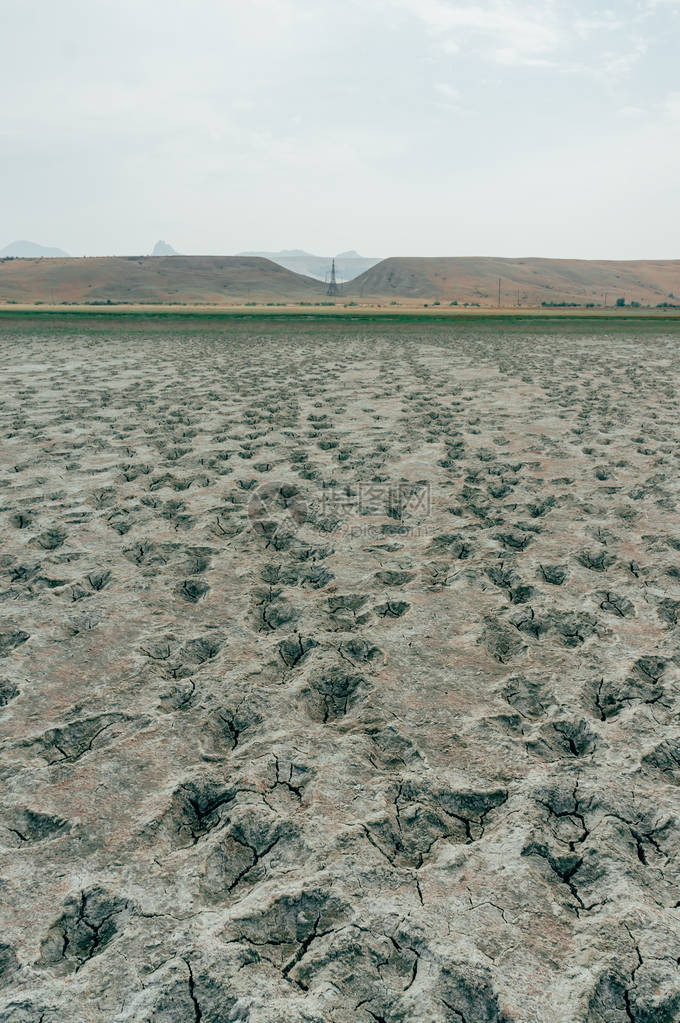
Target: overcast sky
396	127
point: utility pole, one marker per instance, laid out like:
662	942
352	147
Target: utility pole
499	292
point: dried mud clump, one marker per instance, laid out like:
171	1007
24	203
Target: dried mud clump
89	922
339	672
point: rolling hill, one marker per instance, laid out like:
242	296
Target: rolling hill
234	280
153	279
527	282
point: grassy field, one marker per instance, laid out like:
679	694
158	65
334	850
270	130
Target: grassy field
406	313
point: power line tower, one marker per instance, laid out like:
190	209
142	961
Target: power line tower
333	284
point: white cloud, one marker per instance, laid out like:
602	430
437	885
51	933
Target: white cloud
673	106
511	30
632	111
540	33
450	92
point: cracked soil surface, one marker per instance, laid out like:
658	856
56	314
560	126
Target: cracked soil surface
339	673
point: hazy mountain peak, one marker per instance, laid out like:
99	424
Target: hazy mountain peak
348	265
286	253
162	248
30	250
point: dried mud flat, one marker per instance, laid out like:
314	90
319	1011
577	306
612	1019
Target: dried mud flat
339	674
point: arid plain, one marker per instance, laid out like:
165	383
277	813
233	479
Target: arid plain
339	671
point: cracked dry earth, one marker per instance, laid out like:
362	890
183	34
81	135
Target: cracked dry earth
270	753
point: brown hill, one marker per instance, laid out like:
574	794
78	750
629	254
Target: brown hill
234	280
153	279
527	282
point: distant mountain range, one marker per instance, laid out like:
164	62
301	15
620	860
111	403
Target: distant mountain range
348	265
29	250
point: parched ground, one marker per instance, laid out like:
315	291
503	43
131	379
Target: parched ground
339	672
